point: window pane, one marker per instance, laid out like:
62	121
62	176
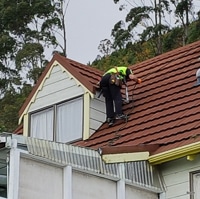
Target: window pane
42	124
69	120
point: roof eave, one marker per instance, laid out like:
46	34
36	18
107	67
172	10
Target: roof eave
176	153
125	157
117	154
65	63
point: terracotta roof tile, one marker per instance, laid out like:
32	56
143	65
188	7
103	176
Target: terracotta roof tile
164	109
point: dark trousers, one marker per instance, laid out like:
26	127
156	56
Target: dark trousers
113	97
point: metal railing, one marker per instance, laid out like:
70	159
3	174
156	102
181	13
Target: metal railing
139	173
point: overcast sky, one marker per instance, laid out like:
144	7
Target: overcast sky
90	21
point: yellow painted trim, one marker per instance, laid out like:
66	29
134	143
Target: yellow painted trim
126	157
191	157
173	154
25	125
86	121
38	89
55	63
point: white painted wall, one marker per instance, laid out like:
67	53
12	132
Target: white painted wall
87	186
133	193
97	113
176	177
38	180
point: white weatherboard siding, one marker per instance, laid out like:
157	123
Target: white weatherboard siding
38	180
56	88
176	177
97	113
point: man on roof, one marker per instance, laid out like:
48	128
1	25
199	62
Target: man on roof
111	84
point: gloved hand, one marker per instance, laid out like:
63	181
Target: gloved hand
139	81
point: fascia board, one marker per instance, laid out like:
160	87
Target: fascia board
176	153
36	92
125	157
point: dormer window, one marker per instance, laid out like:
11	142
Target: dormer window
61	122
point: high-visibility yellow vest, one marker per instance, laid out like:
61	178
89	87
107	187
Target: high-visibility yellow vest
121	70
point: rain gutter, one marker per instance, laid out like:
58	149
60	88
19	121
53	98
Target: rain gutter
184	151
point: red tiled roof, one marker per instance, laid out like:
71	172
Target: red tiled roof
19	130
165	109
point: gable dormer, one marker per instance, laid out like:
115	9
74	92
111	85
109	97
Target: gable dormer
63	106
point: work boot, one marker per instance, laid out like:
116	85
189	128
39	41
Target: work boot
110	121
120	116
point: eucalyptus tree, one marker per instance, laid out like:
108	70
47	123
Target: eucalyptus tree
183	9
61	7
148	19
105	47
8	73
122	36
29	24
154	19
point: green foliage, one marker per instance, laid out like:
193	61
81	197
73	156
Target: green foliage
194	31
7	44
121	35
143	50
136	15
29	53
26	28
183	6
9	106
173	39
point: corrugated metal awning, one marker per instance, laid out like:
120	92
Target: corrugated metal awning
140	172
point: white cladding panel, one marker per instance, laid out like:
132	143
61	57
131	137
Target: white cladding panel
133	193
85	186
97	113
56	88
176	177
38	180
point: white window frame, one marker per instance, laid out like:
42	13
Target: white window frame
42	118
195	184
70	129
69	123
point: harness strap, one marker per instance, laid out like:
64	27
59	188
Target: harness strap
117	70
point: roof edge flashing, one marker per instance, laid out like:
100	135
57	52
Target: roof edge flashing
176	153
125	157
